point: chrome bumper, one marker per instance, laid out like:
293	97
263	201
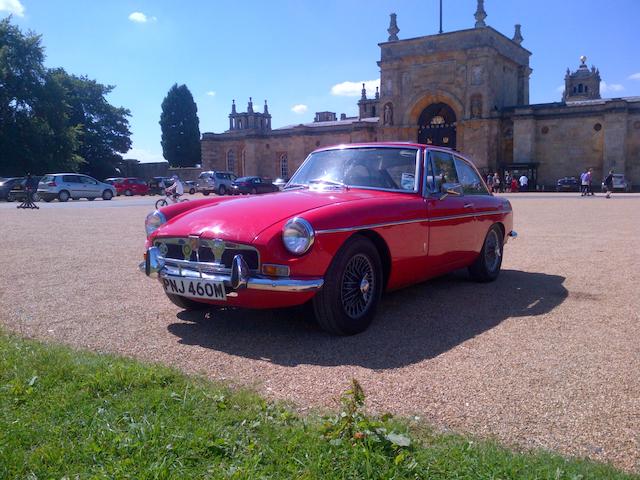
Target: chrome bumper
240	277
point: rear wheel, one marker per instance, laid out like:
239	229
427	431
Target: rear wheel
107	195
161	203
205	193
347	302
128	193
253	191
63	196
187	303
486	268
222	190
11	197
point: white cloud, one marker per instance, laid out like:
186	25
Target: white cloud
12	6
560	89
144	156
353	89
614	87
635	76
299	109
211	93
139	17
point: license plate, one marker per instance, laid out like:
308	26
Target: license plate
195	288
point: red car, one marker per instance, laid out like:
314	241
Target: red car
353	222
131	186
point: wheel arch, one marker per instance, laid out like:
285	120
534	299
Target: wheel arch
383	251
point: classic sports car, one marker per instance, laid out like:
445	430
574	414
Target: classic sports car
353	221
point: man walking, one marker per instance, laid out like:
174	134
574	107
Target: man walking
608	182
584	185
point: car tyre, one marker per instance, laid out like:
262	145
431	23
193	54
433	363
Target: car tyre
352	289
187	303
192	191
63	196
35	197
91	199
11	197
128	193
161	203
107	195
486	268
253	191
205	193
222	190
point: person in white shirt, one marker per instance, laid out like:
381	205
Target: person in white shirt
176	188
524	182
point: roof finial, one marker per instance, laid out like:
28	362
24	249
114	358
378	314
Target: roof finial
393	28
233	106
517	36
250	106
364	92
377	93
266	107
583	60
480	15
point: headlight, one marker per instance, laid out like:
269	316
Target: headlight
153	221
298	236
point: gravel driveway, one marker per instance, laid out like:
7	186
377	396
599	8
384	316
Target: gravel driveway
547	356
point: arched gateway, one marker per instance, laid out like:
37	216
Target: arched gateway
437	126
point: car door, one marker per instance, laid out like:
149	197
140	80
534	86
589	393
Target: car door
452	233
71	183
91	187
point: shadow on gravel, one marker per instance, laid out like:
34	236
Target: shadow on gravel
411	325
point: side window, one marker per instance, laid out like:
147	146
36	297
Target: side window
469	179
70	179
444	171
88	180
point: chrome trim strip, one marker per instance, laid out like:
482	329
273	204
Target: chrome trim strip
404	222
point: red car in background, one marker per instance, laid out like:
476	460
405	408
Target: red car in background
353	222
131	186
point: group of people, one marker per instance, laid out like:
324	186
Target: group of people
511	183
586	178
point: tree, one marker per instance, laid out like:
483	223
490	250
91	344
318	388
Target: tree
35	132
104	128
180	128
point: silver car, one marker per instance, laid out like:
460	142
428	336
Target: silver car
215	182
64	186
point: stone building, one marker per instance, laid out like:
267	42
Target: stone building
467	90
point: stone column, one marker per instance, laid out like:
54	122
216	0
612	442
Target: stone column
615	136
524	136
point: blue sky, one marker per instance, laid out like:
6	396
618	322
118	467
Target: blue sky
294	52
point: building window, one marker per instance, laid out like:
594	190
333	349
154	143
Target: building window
284	166
545	130
597	127
231	161
580	88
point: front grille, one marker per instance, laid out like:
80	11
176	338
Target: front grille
204	252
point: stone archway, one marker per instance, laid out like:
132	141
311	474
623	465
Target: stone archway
437	126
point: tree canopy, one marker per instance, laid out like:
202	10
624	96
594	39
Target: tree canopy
180	128
51	120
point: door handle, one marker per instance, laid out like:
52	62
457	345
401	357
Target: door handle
468	205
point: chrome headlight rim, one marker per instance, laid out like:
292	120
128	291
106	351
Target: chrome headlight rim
301	226
152	227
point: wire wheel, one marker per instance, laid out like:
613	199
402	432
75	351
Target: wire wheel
358	284
492	251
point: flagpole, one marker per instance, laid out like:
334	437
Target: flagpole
440	17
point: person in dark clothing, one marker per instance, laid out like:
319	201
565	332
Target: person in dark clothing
608	182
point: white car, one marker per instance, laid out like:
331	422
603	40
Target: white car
64	186
619	183
215	182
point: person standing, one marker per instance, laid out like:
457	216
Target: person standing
584	186
490	182
496	183
608	182
507	182
589	180
514	185
524	183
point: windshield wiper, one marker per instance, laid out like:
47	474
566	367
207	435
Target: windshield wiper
329	181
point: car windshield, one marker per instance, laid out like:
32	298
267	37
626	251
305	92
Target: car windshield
385	168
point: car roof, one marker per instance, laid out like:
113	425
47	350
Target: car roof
386	144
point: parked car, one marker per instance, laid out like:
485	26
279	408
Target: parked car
620	183
7	185
131	186
215	182
354	221
113	180
568	184
253	185
64	186
18	191
190	187
154	185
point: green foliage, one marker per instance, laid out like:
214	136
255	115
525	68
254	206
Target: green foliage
65	414
49	120
180	128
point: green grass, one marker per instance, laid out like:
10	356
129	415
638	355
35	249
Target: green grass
69	414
